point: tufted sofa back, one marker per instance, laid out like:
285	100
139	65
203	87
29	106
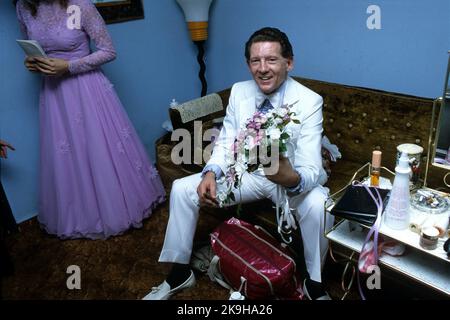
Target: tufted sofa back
357	120
360	120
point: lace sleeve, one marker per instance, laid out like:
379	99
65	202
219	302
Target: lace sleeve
23	27
94	25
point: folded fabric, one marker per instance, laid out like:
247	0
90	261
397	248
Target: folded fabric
367	257
200	107
201	258
423	220
332	149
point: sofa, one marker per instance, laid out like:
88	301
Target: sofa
358	120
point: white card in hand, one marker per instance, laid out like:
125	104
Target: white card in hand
32	48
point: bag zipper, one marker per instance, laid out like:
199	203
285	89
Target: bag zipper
245	262
273	247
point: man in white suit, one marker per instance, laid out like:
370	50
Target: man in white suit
269	57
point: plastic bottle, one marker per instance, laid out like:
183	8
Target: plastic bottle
397	213
167	125
173	103
375	169
236	295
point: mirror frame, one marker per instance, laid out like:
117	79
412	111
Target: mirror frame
444	102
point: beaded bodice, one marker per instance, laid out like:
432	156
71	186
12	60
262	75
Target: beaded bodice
65	33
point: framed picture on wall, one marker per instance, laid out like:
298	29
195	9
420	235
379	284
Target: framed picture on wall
120	10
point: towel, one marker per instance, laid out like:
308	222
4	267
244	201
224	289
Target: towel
332	149
200	107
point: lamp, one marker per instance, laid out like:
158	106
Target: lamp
196	15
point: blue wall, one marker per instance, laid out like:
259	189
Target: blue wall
332	42
157	61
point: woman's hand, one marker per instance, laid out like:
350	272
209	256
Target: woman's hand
51	66
30	64
4	146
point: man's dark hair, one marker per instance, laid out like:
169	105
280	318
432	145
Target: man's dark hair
271	35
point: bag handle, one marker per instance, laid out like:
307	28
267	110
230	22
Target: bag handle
215	274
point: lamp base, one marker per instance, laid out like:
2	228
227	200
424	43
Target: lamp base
198	30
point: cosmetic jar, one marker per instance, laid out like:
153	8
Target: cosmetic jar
429	238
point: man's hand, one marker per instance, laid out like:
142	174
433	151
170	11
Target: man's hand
207	191
285	176
51	66
4	149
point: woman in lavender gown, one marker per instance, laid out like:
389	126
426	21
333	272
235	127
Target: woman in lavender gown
95	177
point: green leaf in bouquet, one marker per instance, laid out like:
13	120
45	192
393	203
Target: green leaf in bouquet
284	136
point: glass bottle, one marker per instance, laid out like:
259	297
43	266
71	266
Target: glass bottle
375	169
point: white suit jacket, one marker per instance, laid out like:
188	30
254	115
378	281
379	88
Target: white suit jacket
304	148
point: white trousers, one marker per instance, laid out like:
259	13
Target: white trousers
184	212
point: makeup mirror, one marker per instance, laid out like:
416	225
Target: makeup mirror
441	150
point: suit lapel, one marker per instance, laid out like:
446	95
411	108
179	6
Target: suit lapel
247	109
290	94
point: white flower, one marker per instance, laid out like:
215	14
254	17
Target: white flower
222	196
260	132
229	158
274	133
269	114
282	112
240	168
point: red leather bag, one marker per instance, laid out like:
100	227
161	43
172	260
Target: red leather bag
253	262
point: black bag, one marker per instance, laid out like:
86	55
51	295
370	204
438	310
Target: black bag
357	205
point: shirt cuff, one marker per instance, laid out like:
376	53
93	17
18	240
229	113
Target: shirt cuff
293	191
214	168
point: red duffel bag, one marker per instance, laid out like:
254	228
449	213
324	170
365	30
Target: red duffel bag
253	262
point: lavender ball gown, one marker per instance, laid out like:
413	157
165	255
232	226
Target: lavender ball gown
95	177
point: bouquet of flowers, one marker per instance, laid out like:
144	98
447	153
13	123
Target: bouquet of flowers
260	142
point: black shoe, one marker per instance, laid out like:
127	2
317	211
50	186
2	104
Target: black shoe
314	290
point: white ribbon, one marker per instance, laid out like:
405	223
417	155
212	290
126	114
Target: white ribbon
285	218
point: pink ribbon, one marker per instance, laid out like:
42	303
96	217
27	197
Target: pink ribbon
369	255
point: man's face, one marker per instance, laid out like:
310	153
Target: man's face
267	65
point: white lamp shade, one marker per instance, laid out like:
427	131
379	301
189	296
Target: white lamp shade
195	10
196	14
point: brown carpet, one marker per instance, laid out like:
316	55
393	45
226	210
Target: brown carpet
122	267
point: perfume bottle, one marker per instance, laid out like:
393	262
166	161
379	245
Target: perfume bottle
375	169
397	215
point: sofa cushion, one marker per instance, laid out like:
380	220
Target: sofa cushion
205	109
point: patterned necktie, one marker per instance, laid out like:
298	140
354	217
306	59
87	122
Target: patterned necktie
265	106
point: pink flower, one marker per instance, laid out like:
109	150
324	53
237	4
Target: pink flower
230	177
246	143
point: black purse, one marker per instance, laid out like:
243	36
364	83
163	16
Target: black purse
357	204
